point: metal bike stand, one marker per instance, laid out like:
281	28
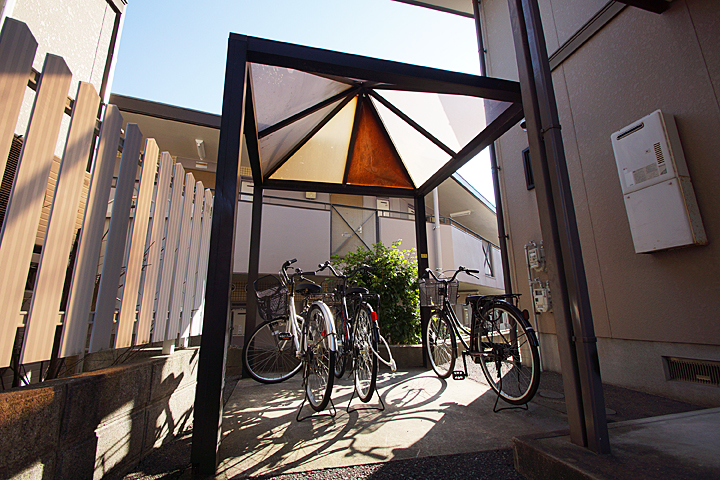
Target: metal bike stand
379	409
316	414
514	407
460	375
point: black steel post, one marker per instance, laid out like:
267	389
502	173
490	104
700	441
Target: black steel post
253	262
208	411
423	263
571	305
499	212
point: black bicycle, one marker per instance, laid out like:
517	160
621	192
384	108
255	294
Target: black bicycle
357	331
499	339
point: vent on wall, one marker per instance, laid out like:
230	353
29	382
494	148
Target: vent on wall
704	372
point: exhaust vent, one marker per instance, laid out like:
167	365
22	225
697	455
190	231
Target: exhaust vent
704	372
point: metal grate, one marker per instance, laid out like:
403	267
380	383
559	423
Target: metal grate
704	372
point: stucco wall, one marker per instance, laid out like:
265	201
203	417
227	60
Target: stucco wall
637	63
286	233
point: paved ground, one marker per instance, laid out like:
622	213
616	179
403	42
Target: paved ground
431	428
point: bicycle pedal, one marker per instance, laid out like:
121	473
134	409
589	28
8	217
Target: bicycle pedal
459	375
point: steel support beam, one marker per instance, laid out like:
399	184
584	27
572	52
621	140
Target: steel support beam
422	260
208	411
253	263
571	304
499	212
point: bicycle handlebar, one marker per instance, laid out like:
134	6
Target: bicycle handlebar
325	265
460	269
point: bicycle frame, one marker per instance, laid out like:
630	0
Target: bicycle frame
295	330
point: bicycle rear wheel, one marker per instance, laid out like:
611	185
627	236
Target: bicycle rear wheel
441	347
270	352
509	354
319	360
364	345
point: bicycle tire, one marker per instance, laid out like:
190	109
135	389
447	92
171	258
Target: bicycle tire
269	358
365	343
512	372
319	360
441	346
340	354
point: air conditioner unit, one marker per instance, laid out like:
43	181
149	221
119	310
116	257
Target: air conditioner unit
659	197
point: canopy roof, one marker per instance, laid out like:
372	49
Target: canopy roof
327	121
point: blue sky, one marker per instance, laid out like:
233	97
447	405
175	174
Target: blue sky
174	52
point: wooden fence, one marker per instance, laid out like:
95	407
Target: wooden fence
151	253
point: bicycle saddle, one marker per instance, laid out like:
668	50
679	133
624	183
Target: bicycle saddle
356	290
307	288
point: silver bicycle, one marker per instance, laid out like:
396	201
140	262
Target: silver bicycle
288	341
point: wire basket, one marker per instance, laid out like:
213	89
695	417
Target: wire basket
272	297
432	292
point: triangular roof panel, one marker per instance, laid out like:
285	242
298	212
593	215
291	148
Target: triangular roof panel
427	110
421	157
322	158
373	159
277	145
280	93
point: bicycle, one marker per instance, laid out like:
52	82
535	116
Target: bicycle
500	338
358	334
287	341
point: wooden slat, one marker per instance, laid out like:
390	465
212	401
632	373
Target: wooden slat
128	306
44	308
25	204
199	306
147	301
83	282
17	51
169	255
189	288
47	201
181	264
116	239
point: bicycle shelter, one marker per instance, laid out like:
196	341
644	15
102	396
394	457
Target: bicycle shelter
317	120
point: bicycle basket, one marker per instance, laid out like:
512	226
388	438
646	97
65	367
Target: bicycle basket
432	292
272	297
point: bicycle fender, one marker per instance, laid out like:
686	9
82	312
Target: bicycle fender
329	324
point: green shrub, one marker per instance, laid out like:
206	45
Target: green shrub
395	279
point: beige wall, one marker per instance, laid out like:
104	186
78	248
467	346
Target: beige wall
637	63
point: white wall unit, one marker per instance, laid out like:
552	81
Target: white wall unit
659	198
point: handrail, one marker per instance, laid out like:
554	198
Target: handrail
328	206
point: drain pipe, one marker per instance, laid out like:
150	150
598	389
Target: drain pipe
502	236
436	231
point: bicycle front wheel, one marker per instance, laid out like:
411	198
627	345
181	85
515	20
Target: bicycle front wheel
269	355
509	354
364	345
319	360
441	347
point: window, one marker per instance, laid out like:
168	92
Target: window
487	251
529	180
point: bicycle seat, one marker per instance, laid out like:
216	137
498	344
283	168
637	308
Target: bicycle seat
356	290
307	288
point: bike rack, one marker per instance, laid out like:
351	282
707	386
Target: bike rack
315	414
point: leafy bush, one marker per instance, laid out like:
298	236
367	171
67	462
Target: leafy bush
395	279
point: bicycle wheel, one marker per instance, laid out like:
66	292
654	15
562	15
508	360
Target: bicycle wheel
340	354
364	345
441	348
270	352
509	358
319	360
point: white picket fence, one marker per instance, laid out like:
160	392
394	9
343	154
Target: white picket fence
153	271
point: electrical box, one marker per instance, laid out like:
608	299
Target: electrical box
659	198
536	256
541	298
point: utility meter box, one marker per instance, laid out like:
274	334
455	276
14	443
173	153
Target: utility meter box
659	198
